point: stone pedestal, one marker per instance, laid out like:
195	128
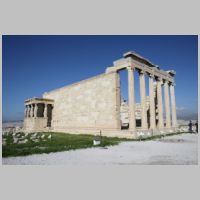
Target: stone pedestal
35	124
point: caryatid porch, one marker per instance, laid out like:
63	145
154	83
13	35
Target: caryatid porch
38	113
134	62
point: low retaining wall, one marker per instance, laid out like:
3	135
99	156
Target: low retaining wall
119	133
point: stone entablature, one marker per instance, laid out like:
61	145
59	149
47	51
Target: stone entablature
130	60
38	100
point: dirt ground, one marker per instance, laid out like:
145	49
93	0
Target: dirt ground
173	150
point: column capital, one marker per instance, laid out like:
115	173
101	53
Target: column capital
151	75
141	72
172	83
166	81
159	79
130	67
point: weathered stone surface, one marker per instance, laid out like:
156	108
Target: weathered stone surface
92	103
35	124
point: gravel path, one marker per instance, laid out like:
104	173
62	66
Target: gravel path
173	150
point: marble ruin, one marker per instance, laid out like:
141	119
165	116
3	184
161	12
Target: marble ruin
95	105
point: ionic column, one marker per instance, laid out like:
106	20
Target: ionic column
152	103
45	110
143	100
35	110
173	105
167	107
31	111
131	99
160	103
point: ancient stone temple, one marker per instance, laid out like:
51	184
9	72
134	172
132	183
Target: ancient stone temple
95	105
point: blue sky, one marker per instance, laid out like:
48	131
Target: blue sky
35	64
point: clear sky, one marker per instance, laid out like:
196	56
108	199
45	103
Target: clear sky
35	64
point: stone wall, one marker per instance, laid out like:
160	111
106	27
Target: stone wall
35	124
91	104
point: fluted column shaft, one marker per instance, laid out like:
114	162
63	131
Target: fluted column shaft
131	99
173	105
143	100
152	103
160	103
167	107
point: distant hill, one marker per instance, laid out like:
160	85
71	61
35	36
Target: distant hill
12	124
193	116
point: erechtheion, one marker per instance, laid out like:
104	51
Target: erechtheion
95	105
